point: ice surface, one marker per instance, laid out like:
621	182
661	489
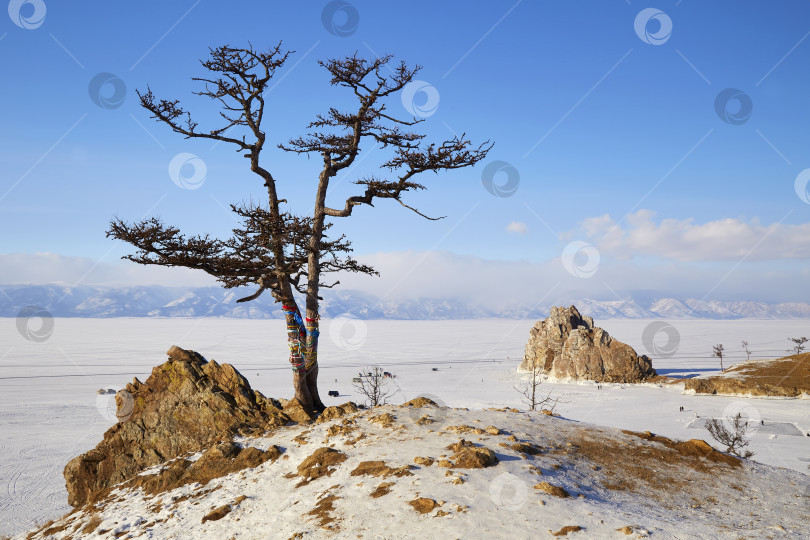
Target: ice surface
50	411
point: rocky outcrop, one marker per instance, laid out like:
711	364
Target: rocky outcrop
566	344
187	404
219	460
782	377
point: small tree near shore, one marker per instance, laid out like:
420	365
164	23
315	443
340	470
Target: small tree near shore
733	435
717	351
532	398
798	344
747	350
373	385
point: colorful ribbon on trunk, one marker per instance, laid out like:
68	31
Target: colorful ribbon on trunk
302	339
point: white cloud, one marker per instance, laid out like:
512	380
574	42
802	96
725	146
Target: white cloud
683	240
447	275
497	283
54	268
517	227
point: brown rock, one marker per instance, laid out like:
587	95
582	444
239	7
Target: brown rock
423	461
385	420
371	468
420	402
186	405
217	513
566	344
423	505
468	456
382	489
321	463
461	429
336	411
460	445
344	428
296	412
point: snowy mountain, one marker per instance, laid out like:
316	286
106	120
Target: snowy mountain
155	301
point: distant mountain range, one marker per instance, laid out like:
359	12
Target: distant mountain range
157	301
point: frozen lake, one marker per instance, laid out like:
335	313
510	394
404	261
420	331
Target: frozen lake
50	412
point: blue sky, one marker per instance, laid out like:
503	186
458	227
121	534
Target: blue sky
611	126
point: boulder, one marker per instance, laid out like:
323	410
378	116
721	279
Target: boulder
566	344
187	404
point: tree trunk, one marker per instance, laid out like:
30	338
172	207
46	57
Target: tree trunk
302	338
312	386
311	362
313	288
297	340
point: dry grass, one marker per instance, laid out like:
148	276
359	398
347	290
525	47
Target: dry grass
784	377
49	528
651	463
551	489
92	524
567	529
385	420
527	449
217	461
322	510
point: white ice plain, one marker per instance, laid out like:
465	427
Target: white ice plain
50	411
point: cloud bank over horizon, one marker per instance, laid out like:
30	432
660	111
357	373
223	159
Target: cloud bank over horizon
442	274
728	259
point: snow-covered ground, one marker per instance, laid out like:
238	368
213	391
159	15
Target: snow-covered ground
50	412
605	474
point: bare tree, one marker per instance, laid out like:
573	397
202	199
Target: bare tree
798	344
717	351
747	350
373	385
531	397
275	250
733	435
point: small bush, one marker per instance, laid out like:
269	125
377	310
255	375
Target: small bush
732	435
